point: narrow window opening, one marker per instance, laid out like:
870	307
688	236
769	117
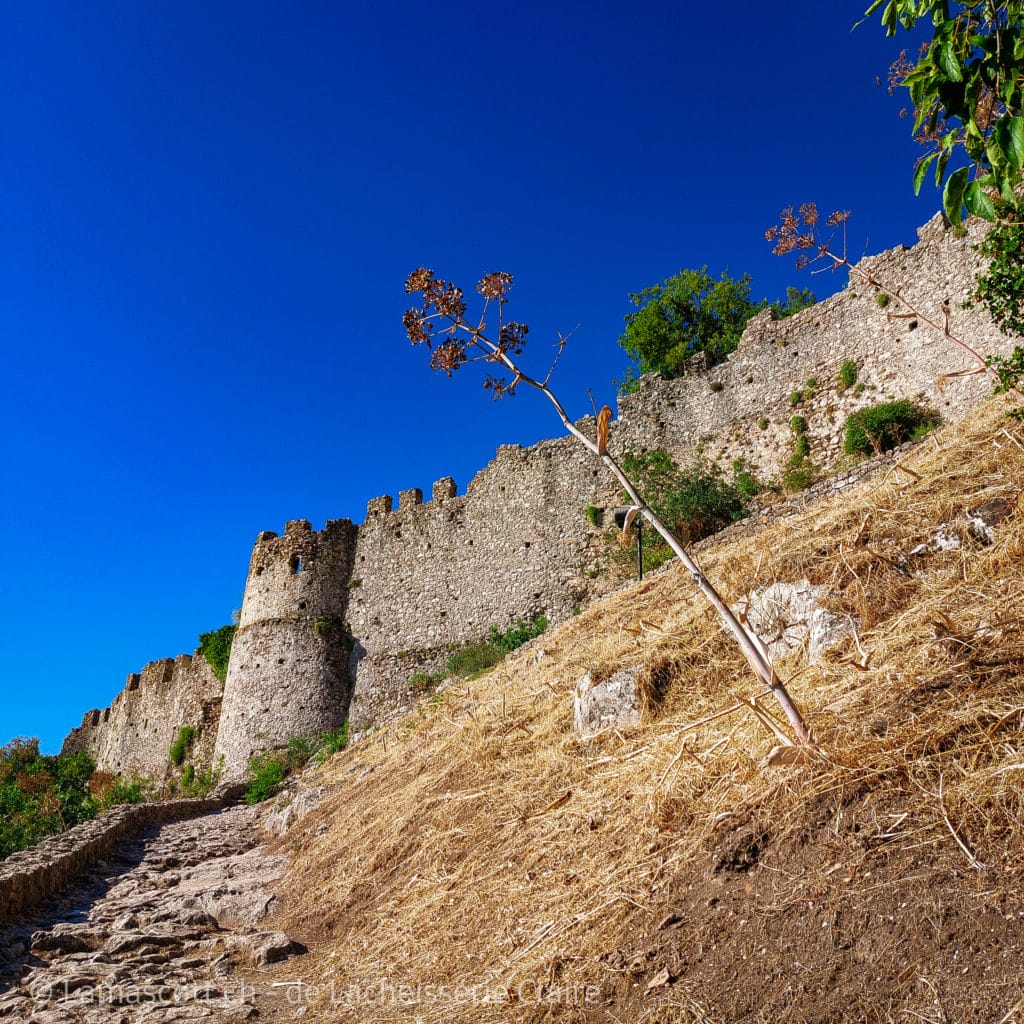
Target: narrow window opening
295	564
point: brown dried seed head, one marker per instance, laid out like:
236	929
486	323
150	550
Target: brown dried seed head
494	286
418	280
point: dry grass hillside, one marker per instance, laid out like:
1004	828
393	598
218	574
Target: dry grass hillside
478	861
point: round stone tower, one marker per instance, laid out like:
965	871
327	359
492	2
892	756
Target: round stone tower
289	669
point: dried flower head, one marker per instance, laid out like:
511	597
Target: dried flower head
499	387
417	326
453	341
512	337
798	232
495	285
448	356
419	280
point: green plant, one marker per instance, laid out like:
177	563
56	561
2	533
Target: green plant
200	782
334	630
810	388
743	480
299	750
266	773
424	682
215	647
882	300
595	515
967	93
42	794
878	428
798	425
354	584
332	742
182	744
517	635
762	423
472	659
801	448
796	299
687	313
847	375
1000	288
125	791
798	475
796	397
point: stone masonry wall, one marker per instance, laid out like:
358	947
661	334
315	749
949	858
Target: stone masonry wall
429	576
718	410
289	670
135	733
354	612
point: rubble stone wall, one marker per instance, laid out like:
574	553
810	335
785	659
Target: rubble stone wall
338	621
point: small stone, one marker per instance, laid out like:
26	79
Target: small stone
612	703
272	947
660	980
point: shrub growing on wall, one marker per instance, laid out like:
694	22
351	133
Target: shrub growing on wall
881	427
215	647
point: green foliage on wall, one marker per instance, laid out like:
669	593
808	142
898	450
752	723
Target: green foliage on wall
886	425
693	502
215	647
182	743
266	773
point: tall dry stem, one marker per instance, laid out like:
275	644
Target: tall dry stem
453	341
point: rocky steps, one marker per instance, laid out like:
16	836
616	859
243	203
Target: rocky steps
166	929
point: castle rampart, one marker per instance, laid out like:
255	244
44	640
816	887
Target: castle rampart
338	621
289	671
135	733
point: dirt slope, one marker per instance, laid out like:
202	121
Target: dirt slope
477	861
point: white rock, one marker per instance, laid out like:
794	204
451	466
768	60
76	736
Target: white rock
786	616
608	704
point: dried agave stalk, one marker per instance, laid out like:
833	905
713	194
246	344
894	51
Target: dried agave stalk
453	341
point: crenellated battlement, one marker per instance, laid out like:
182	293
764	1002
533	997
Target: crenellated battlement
135	732
337	621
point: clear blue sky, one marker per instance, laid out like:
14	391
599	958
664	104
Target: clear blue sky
209	210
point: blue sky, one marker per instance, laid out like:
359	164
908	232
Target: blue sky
209	210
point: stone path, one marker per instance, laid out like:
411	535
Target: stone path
154	935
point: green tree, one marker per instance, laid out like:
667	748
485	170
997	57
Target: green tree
967	88
688	313
795	300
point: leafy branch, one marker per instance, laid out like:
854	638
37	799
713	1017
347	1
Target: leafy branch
967	90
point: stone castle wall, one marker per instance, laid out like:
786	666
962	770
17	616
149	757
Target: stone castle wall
134	735
289	671
718	410
429	576
339	620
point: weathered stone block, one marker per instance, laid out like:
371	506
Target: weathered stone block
612	703
786	616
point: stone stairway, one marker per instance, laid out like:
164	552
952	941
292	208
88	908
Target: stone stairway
162	931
